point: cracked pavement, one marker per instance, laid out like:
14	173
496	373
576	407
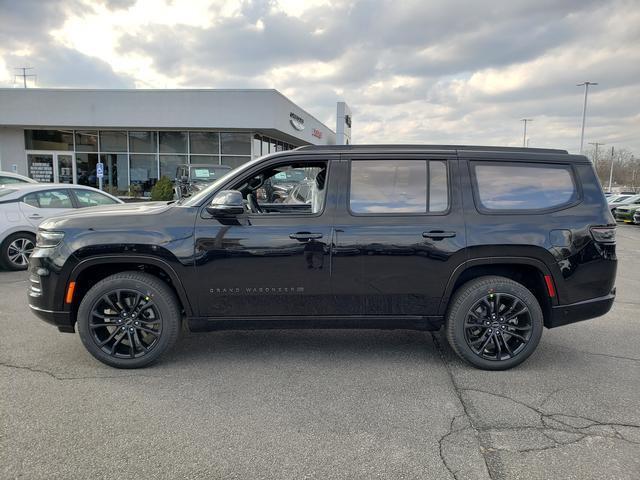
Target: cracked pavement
324	404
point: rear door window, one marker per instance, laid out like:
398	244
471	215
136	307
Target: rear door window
398	186
503	186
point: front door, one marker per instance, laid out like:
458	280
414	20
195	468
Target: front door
50	167
399	233
273	260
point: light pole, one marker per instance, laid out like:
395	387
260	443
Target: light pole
524	135
611	171
584	109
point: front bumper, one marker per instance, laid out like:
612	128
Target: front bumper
577	312
62	320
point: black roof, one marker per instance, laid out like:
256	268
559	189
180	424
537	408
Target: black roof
428	148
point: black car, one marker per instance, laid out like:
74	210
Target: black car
193	177
492	243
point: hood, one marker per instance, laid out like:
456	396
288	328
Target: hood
122	213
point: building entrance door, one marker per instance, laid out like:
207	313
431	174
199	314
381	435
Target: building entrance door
48	167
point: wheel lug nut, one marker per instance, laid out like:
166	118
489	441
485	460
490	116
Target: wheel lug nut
489	330
124	328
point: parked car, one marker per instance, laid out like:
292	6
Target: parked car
625	213
491	243
24	206
636	217
622	201
193	177
9	178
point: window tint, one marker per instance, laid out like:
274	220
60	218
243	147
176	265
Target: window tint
87	198
523	186
398	186
8	180
49	199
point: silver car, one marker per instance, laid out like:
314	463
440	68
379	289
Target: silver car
23	206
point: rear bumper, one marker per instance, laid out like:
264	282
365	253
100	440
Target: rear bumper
576	312
62	320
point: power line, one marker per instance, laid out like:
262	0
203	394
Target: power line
524	136
595	155
24	75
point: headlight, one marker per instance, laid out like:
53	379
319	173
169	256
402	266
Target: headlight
46	238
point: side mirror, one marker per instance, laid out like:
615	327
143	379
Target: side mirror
226	203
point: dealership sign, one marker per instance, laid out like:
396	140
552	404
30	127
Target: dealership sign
296	121
316	133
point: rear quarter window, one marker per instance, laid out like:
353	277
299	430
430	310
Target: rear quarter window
503	186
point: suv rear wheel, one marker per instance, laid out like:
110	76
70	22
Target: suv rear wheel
128	320
494	323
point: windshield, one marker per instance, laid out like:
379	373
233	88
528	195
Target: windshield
202	194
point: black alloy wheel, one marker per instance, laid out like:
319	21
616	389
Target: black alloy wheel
125	323
128	320
498	326
494	323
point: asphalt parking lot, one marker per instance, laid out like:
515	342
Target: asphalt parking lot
324	404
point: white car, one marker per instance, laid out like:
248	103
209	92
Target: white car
23	206
9	178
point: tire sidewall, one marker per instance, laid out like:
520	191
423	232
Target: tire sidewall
475	291
4	255
163	298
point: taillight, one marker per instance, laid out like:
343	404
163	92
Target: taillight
604	234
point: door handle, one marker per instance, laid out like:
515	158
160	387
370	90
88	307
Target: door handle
304	236
35	216
438	234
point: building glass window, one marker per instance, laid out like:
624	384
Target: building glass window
204	142
257	146
48	139
113	141
234	162
116	172
143	142
169	165
205	159
86	169
173	142
232	143
86	140
143	173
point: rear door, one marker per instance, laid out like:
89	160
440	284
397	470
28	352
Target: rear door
38	206
399	234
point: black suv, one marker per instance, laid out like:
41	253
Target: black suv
493	243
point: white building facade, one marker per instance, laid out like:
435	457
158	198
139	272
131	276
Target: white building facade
60	135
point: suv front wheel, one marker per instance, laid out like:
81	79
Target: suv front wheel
128	320
494	323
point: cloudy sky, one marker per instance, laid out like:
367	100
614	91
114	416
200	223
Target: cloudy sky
424	71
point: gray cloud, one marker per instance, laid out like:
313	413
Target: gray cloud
413	71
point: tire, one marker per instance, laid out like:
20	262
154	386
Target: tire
497	345
16	250
129	309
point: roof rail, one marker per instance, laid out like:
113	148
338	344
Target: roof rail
466	148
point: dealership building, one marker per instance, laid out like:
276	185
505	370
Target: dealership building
60	135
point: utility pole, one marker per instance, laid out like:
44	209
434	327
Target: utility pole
584	109
524	136
611	171
595	155
24	74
